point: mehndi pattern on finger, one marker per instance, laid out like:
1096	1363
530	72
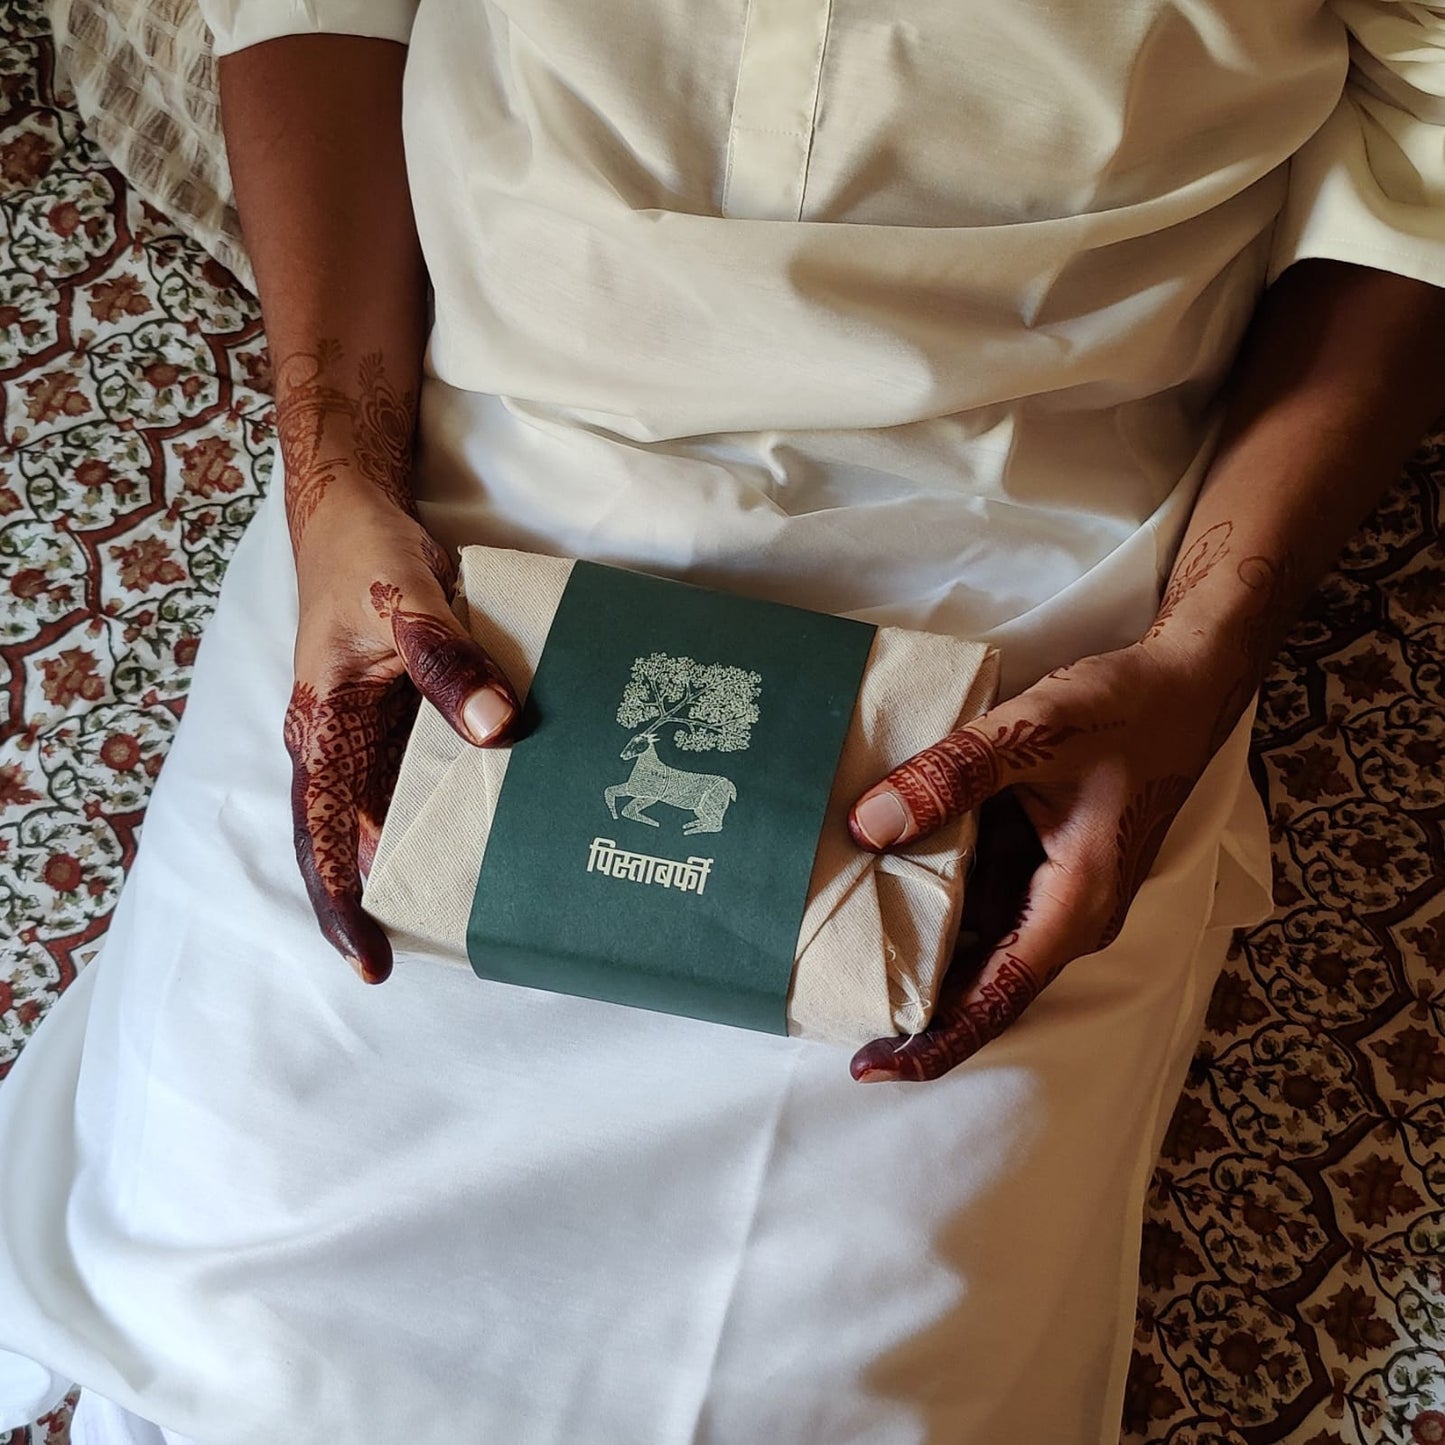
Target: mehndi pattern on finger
446	667
334	741
963	1026
960	771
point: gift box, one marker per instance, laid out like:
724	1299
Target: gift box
669	828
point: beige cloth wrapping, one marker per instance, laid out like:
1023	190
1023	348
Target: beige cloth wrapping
877	931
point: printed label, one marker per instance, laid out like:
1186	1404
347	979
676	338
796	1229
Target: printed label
663	716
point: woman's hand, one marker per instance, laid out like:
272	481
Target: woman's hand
375	631
1098	757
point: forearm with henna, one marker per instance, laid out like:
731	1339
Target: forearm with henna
314	136
1340	376
313	128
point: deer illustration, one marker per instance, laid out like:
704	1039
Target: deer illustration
705	795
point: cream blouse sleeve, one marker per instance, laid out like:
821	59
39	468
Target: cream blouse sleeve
1369	186
235	24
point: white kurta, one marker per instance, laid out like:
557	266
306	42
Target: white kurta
916	318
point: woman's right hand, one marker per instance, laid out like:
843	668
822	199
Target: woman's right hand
375	633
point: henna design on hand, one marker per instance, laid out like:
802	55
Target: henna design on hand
370	427
961	1028
958	772
1274	582
1142	829
953	775
1002	998
446	666
385	423
305	407
1191	569
335	742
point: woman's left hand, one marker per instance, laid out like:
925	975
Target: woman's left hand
1099	757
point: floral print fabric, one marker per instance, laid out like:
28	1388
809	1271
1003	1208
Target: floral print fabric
1293	1260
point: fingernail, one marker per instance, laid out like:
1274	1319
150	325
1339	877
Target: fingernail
365	974
882	819
486	713
875	1076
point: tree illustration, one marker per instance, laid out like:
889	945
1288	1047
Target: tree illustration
713	707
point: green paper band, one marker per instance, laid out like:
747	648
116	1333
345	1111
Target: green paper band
655	833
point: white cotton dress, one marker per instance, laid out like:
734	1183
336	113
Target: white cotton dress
914	313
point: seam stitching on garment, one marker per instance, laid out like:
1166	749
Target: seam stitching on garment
812	131
769	130
733	127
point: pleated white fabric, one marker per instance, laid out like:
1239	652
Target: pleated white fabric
249	1199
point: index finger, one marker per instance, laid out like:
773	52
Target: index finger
1054	930
952	777
332	738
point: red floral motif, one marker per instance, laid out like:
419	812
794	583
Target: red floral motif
1376	1191
1367	676
25	159
1191	1132
1351	1322
209	466
1312	774
122	296
120	751
93	473
1234	1004
1429	1428
1166	1257
7	997
71	675
161	374
12	317
185	650
216	276
62	872
1146	1397
1419	594
256	365
147	563
29	583
15	790
54	395
64	218
1429	942
1416	1060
